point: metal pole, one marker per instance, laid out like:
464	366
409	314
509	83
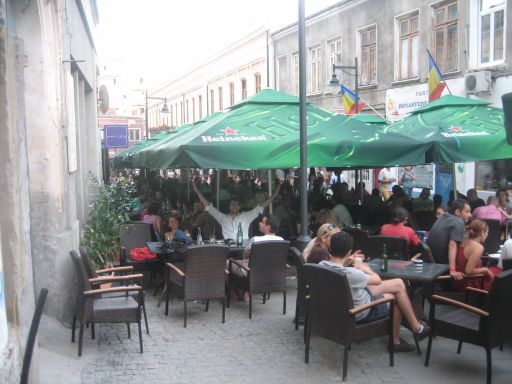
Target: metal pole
218	188
269	184
146	117
356	89
303	238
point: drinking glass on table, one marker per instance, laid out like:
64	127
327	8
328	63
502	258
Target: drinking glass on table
212	235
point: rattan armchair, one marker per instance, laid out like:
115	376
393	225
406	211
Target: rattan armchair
396	247
331	313
202	277
488	326
92	308
265	272
360	237
117	276
493	240
300	303
137	235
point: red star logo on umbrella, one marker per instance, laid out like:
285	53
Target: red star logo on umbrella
230	131
455	129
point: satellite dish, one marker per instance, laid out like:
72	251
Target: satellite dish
103	102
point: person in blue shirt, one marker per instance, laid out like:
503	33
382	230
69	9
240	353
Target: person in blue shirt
174	231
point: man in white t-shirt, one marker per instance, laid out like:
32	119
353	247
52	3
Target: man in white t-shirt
386	181
269	225
229	222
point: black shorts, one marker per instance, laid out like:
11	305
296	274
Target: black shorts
378	312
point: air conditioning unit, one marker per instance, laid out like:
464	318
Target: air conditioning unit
478	82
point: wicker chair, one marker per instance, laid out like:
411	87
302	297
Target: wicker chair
397	247
114	275
137	235
331	313
424	219
426	253
202	277
487	327
492	242
300	303
360	237
507	264
91	308
265	273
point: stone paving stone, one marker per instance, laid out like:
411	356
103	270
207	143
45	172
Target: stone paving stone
266	349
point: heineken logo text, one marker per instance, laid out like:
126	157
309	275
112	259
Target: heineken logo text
461	134
207	139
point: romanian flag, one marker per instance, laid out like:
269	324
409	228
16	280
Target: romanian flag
436	82
349	101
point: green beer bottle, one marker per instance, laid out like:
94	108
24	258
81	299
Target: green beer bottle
384	260
239	236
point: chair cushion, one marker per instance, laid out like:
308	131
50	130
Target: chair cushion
460	318
115	310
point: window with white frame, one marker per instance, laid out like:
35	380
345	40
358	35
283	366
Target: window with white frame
231	93
446	47
368	55
243	83
187	112
408	46
212	101
334	52
200	106
193	109
295	74
134	134
491	31
257	82
314	63
221	99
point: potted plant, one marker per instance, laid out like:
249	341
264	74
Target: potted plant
109	210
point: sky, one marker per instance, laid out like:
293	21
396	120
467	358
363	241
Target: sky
157	40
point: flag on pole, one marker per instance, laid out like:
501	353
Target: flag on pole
349	101
436	82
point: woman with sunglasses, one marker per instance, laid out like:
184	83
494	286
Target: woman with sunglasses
318	248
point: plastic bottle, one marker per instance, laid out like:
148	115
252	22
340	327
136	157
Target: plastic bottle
239	236
199	236
384	260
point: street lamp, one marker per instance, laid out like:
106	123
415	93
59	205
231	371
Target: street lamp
335	84
165	109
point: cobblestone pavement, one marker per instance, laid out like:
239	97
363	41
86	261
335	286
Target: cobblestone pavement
265	349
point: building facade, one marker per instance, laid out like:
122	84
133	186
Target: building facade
390	39
237	72
48	144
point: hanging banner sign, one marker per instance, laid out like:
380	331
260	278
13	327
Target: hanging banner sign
116	136
401	101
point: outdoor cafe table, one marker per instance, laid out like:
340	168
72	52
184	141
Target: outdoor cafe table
409	270
419	273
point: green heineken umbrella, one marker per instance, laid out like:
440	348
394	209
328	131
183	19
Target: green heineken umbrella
358	141
167	152
252	134
456	129
123	159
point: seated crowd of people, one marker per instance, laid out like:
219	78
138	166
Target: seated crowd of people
456	237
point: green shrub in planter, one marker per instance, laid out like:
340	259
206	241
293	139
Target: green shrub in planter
109	210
